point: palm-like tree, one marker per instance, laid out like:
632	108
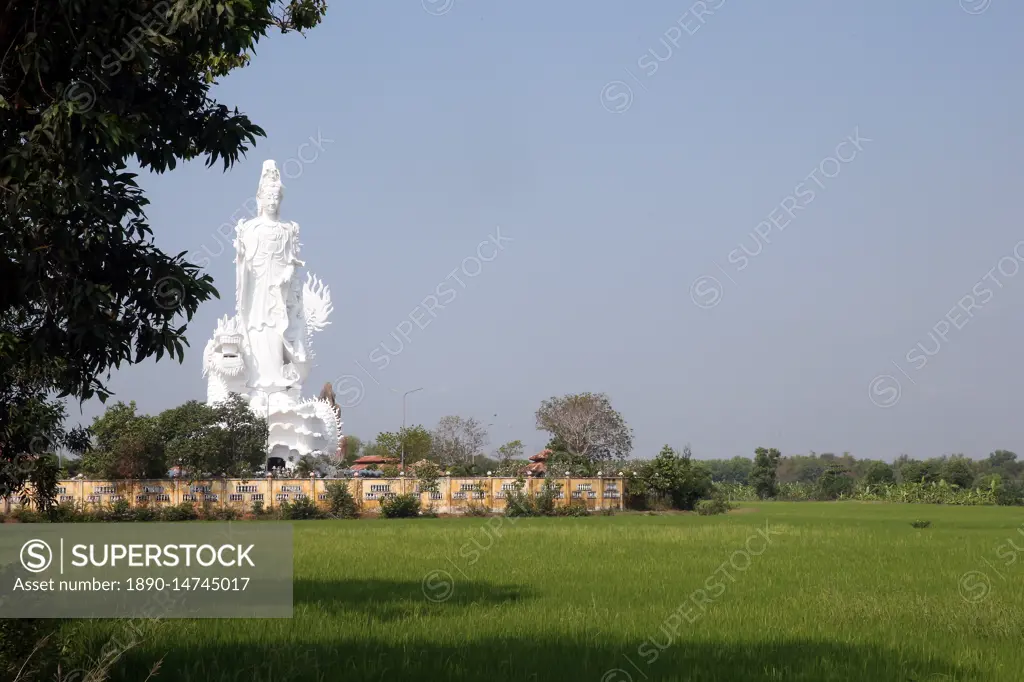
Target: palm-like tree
305	466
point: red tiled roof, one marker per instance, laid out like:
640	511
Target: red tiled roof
374	459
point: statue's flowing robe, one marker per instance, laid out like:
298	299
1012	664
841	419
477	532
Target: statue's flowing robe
269	300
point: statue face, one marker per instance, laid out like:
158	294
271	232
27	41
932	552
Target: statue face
270	202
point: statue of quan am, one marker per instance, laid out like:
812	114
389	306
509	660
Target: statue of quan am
264	353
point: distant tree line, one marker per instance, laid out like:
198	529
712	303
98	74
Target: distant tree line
954	469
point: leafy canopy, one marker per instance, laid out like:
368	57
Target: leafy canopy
85	89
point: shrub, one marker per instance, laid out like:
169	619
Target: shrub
920	524
65	512
26	515
119	511
519	503
574	508
428	473
717	504
302	509
341	503
400	506
186	511
477	509
222	514
544	501
144	513
257	509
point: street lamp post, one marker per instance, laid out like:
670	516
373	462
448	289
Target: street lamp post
401	435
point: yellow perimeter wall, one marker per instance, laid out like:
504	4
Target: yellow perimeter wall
453	496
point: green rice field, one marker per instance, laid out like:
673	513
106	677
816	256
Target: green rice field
772	591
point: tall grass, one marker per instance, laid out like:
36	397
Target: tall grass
826	593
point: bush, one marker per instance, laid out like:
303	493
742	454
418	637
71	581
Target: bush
144	513
257	509
519	503
477	509
544	501
302	509
186	511
400	506
920	524
26	515
341	503
222	514
65	512
120	511
574	508
718	504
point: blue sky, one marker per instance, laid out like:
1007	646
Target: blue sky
627	152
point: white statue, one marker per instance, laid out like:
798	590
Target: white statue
224	363
264	352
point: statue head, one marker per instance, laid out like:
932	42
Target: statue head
270	191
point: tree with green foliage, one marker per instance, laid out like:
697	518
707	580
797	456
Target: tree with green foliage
227	439
415	440
306	465
1003	463
763	475
87	89
958	471
672	478
562	459
351	447
735	470
510	460
834	482
918	471
879	473
127	445
233	442
510	451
